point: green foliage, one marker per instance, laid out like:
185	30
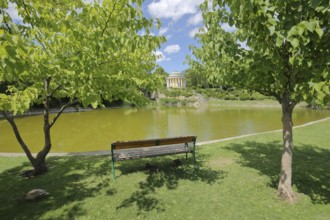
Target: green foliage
196	79
160	71
87	52
161	74
231	94
182	97
288	47
177	92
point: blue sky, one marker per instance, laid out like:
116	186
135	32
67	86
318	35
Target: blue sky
180	19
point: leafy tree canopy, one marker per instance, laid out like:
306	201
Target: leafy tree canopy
72	49
160	71
161	74
196	79
288	47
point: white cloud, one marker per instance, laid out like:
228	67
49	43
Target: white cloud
173	9
226	27
195	19
88	1
175	48
162	31
169	36
193	32
159	56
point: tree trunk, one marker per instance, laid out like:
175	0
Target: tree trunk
39	164
285	183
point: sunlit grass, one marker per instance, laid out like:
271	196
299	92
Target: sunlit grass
237	180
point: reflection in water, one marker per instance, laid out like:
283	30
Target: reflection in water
95	130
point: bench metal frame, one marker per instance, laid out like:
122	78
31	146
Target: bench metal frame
127	150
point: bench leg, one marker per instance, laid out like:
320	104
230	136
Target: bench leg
194	157
113	170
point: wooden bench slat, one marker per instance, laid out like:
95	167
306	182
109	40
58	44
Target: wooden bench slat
150	152
152	142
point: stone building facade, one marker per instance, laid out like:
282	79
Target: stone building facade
176	80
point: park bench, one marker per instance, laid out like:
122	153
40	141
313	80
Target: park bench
127	150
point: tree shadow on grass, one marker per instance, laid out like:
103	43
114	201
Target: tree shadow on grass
311	166
167	175
70	180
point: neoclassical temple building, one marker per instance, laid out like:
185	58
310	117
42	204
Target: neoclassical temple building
176	80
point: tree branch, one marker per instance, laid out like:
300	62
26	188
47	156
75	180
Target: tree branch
61	111
42	44
269	93
5	21
11	121
27	12
38	38
55	90
102	63
110	15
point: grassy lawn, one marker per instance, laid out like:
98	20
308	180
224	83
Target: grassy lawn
237	180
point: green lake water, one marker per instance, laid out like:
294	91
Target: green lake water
95	130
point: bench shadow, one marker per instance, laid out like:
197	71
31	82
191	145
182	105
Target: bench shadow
165	174
311	166
70	180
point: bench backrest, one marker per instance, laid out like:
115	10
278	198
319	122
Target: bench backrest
152	142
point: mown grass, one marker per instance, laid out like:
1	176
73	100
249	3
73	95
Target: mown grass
237	180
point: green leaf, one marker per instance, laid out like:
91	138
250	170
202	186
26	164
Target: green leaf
311	24
300	28
318	86
11	51
319	31
94	104
272	30
294	42
325	74
279	40
291	60
315	3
